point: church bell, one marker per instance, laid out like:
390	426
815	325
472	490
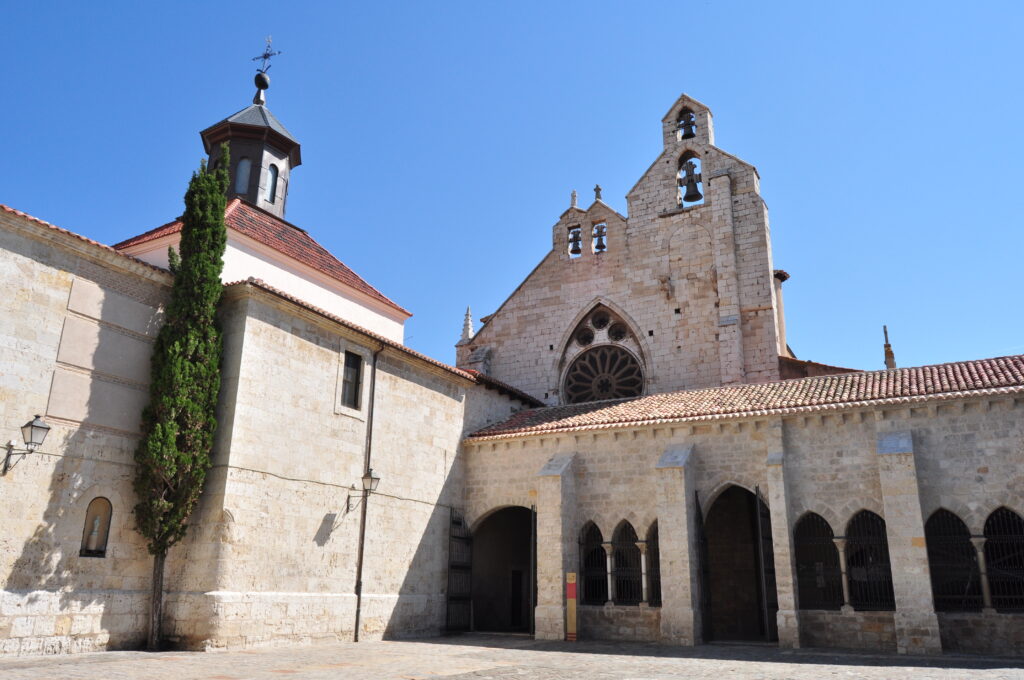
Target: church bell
692	193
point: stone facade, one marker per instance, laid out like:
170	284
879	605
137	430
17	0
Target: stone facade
697	514
832	464
286	456
694	283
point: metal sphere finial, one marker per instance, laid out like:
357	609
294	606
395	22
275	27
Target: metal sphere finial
262	81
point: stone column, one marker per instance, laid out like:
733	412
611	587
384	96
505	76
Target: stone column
609	552
787	617
557	547
917	627
840	542
677	547
986	591
642	545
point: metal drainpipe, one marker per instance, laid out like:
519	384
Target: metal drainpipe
366	494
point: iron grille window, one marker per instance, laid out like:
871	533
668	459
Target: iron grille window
653	567
1004	559
867	562
626	566
351	381
595	567
818	576
953	563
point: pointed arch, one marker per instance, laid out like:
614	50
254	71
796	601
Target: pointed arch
1004	559
644	346
626	572
594	566
602	358
818	574
952	563
867	563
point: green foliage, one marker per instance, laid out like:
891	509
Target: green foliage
179	423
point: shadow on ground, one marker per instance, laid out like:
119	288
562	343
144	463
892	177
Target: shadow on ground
728	652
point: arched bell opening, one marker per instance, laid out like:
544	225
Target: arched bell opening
686	124
739	574
690	180
503	571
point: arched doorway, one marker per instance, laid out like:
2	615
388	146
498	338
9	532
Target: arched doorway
739	601
503	571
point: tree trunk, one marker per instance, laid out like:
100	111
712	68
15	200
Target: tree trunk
156	603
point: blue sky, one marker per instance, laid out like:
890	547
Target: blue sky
441	141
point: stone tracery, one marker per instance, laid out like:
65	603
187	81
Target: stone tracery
602	359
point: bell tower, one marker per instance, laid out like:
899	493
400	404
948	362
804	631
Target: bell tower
263	152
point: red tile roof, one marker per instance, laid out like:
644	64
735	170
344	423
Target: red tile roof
14	211
1002	375
284	237
474	376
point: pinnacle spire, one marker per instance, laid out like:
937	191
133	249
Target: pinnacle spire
467	325
890	358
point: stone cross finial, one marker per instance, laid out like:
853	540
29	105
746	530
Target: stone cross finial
572	200
597	192
467	325
890	358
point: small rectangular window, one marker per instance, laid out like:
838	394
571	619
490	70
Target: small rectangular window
352	380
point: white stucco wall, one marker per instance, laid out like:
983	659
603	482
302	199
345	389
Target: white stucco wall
246	258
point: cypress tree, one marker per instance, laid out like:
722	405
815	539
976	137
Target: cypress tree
179	423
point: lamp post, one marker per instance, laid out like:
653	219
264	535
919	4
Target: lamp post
34	433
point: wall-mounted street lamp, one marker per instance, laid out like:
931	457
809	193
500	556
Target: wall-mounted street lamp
33	432
370	481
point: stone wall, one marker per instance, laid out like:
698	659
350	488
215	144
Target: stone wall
694	284
270	558
292	456
848	630
982	633
638	624
78	325
830	463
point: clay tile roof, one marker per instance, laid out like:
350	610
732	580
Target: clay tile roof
15	211
1000	375
284	237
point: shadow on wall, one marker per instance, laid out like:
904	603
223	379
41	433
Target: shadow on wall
66	592
417	585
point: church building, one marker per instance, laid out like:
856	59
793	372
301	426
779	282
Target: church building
626	449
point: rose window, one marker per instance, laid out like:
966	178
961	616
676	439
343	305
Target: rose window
604	372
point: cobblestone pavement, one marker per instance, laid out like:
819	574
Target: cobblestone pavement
483	657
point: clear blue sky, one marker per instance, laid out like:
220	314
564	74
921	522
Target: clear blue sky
441	141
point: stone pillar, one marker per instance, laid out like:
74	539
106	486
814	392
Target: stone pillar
840	542
917	627
642	545
557	547
986	590
677	547
730	334
787	617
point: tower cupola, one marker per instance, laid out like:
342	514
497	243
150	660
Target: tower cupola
263	152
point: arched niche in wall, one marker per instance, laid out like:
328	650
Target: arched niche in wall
97	528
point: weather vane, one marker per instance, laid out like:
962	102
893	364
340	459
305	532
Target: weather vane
265	57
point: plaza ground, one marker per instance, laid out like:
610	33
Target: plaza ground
504	658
